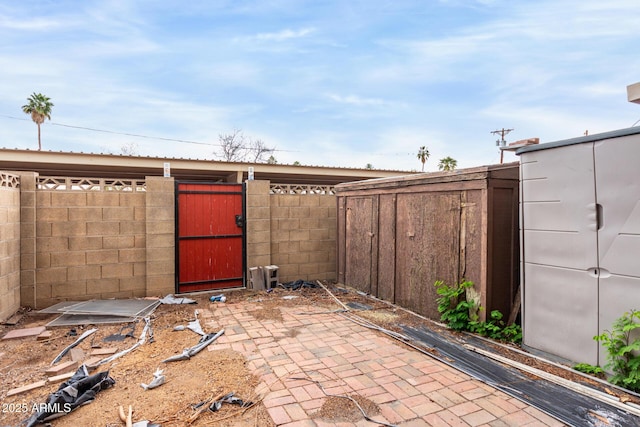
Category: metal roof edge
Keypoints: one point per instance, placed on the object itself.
(580, 140)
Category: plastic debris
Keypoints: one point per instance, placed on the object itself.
(158, 380)
(190, 352)
(79, 390)
(228, 398)
(171, 299)
(218, 298)
(294, 286)
(78, 341)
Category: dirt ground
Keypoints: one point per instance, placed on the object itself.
(208, 374)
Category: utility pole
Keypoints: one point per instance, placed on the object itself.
(501, 142)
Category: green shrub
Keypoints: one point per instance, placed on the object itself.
(586, 368)
(455, 312)
(623, 352)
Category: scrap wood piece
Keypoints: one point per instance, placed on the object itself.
(76, 354)
(78, 341)
(103, 351)
(14, 319)
(26, 388)
(127, 419)
(61, 368)
(61, 377)
(24, 332)
(333, 296)
(46, 335)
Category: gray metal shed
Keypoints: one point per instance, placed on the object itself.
(580, 234)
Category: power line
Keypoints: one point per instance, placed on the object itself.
(131, 134)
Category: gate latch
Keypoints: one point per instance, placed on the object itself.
(239, 221)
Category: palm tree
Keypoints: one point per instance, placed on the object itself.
(423, 155)
(39, 107)
(447, 164)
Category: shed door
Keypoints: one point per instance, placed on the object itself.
(359, 229)
(210, 236)
(560, 252)
(618, 197)
(428, 248)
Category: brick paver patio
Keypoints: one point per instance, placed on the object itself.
(344, 358)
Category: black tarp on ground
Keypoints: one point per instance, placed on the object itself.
(569, 407)
(79, 390)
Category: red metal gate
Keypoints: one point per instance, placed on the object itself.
(210, 234)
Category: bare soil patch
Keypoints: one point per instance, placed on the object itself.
(210, 373)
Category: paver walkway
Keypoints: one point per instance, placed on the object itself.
(411, 388)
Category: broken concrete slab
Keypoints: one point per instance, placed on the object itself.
(25, 332)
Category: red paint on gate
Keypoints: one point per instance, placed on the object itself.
(210, 236)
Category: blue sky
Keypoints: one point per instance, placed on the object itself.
(327, 82)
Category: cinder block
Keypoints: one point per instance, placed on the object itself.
(53, 214)
(118, 213)
(256, 278)
(140, 268)
(160, 213)
(132, 255)
(68, 258)
(320, 212)
(159, 227)
(77, 243)
(68, 198)
(301, 212)
(84, 272)
(98, 286)
(117, 270)
(102, 228)
(135, 283)
(52, 244)
(118, 242)
(103, 198)
(271, 276)
(68, 289)
(311, 200)
(299, 235)
(105, 256)
(132, 227)
(259, 212)
(134, 199)
(289, 224)
(259, 237)
(85, 213)
(51, 275)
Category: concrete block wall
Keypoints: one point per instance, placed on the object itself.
(9, 244)
(293, 229)
(160, 236)
(90, 244)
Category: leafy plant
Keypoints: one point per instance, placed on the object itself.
(586, 368)
(623, 351)
(453, 305)
(455, 311)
